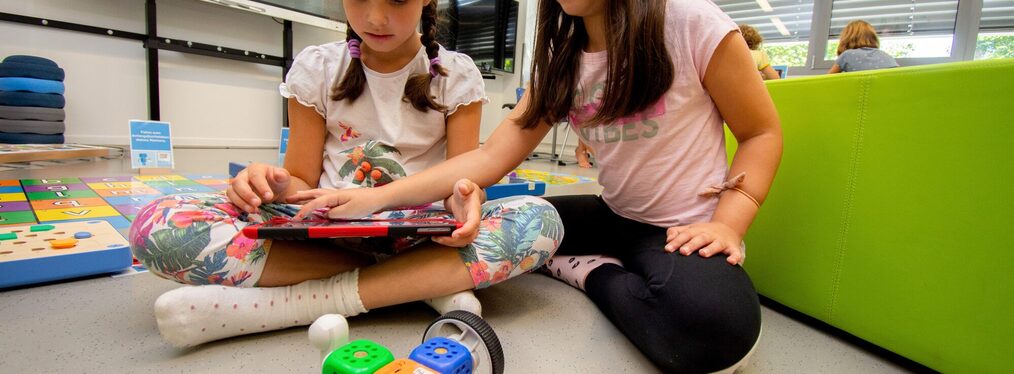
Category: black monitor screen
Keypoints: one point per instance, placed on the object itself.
(485, 30)
(330, 9)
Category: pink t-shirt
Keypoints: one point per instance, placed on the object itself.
(653, 164)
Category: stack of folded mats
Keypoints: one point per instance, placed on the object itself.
(31, 101)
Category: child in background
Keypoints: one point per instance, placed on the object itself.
(649, 85)
(385, 103)
(753, 41)
(857, 50)
(583, 154)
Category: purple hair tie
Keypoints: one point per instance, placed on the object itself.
(354, 48)
(433, 66)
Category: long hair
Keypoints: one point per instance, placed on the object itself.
(857, 34)
(639, 69)
(417, 89)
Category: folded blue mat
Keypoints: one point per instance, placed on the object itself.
(34, 60)
(30, 138)
(18, 69)
(31, 112)
(31, 85)
(18, 98)
(31, 127)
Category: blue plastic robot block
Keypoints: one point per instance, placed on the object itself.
(444, 356)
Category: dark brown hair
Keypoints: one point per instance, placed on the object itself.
(640, 70)
(417, 89)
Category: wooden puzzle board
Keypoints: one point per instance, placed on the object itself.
(113, 199)
(35, 152)
(30, 244)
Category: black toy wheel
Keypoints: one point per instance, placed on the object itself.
(473, 332)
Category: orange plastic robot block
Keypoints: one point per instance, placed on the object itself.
(63, 243)
(405, 366)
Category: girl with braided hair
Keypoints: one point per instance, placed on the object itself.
(385, 103)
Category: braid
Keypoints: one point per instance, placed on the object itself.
(417, 89)
(352, 85)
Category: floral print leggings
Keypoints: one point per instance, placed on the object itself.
(198, 239)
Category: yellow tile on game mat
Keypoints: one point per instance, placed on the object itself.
(14, 196)
(152, 178)
(68, 203)
(128, 192)
(116, 185)
(76, 213)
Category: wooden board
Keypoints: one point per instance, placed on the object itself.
(36, 152)
(47, 252)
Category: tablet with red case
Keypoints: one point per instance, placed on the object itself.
(284, 228)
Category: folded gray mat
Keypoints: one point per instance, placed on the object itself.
(31, 127)
(31, 112)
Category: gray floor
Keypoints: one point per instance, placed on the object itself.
(105, 324)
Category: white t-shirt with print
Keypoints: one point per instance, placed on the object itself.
(379, 137)
(653, 164)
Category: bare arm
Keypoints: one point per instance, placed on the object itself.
(835, 69)
(751, 116)
(463, 129)
(305, 160)
(769, 73)
(502, 152)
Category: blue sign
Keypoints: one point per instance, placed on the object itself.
(283, 146)
(151, 145)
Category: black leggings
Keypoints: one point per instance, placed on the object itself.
(685, 313)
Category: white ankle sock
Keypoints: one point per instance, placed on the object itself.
(573, 270)
(189, 316)
(464, 300)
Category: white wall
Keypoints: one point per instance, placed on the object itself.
(209, 101)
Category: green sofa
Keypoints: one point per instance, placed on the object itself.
(891, 215)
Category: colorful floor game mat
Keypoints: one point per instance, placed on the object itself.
(113, 199)
(555, 179)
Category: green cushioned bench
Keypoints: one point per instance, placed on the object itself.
(891, 215)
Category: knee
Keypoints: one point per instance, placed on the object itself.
(519, 235)
(537, 226)
(171, 234)
(719, 324)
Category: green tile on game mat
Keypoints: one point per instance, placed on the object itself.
(131, 217)
(16, 217)
(75, 194)
(40, 182)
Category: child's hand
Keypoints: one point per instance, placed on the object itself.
(583, 155)
(345, 204)
(256, 185)
(466, 204)
(707, 239)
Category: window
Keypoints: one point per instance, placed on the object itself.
(996, 30)
(784, 24)
(907, 28)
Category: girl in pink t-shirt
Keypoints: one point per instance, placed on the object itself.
(648, 84)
